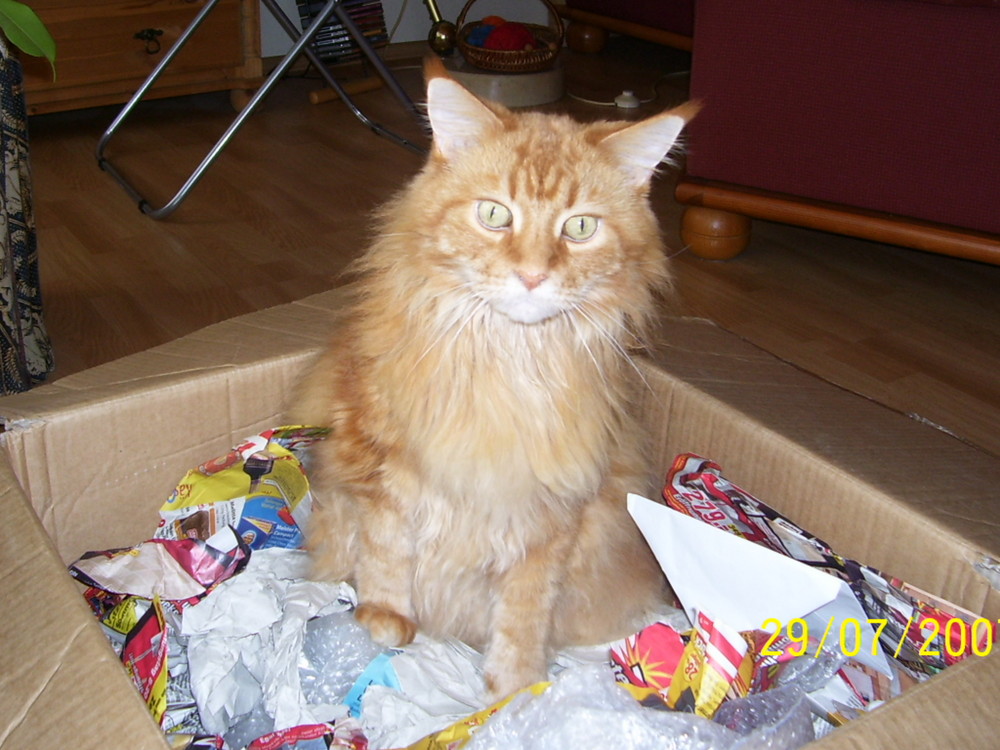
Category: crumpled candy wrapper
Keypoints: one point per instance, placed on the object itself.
(170, 570)
(259, 488)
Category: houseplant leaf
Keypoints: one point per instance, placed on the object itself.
(25, 30)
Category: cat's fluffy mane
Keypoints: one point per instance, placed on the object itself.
(480, 390)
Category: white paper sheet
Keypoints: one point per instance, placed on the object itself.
(745, 585)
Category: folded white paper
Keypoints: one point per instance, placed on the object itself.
(749, 587)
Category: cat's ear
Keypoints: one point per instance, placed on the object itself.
(641, 147)
(458, 118)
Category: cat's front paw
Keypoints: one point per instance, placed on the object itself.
(387, 627)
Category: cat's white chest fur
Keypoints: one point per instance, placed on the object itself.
(494, 423)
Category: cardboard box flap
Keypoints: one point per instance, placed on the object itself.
(123, 432)
(53, 647)
(247, 341)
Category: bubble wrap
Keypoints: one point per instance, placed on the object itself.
(584, 708)
(249, 727)
(778, 719)
(335, 652)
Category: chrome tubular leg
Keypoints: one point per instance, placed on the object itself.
(289, 27)
(369, 51)
(301, 42)
(154, 75)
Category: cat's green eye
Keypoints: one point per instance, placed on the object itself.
(580, 228)
(493, 215)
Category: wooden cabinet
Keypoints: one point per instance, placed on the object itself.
(106, 48)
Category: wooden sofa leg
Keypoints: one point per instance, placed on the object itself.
(714, 234)
(583, 37)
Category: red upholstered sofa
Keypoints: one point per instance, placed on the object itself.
(873, 118)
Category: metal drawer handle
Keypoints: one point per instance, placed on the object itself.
(152, 39)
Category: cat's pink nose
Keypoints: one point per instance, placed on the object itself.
(531, 280)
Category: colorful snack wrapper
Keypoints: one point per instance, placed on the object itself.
(649, 659)
(173, 570)
(259, 488)
(715, 663)
(345, 733)
(144, 655)
(923, 633)
(138, 593)
(458, 734)
(693, 671)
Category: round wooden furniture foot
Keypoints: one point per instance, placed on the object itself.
(714, 234)
(582, 37)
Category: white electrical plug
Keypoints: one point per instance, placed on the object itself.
(627, 100)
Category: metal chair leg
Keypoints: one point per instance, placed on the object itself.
(301, 40)
(289, 27)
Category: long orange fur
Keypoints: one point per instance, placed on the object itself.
(474, 484)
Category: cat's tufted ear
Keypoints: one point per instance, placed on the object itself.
(641, 147)
(458, 118)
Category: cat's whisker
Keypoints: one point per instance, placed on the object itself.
(615, 344)
(404, 234)
(456, 325)
(655, 260)
(450, 290)
(627, 331)
(590, 352)
(480, 304)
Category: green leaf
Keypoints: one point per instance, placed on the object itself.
(22, 26)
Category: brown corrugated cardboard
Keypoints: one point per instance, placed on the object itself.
(98, 452)
(876, 485)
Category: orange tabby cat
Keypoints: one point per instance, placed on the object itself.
(480, 390)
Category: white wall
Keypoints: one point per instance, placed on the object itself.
(274, 42)
(415, 21)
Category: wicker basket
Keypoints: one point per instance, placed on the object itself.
(512, 61)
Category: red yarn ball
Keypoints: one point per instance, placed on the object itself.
(511, 36)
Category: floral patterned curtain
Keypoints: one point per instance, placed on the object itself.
(25, 349)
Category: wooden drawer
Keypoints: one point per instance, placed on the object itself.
(102, 57)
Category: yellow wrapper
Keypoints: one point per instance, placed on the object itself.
(460, 732)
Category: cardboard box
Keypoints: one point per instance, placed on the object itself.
(91, 458)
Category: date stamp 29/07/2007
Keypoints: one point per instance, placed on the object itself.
(954, 638)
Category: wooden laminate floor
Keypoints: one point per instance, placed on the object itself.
(286, 206)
